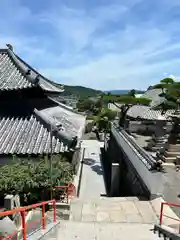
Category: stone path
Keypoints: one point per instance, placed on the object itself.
(113, 210)
(105, 231)
(111, 218)
(96, 217)
(92, 182)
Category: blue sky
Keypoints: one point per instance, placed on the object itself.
(103, 44)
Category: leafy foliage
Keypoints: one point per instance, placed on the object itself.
(127, 101)
(108, 113)
(171, 94)
(84, 105)
(104, 118)
(132, 93)
(109, 98)
(31, 179)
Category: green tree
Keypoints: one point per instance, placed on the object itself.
(110, 98)
(108, 113)
(132, 93)
(126, 102)
(170, 93)
(104, 118)
(85, 104)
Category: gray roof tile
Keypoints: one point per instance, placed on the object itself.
(13, 74)
(19, 135)
(72, 123)
(153, 94)
(10, 76)
(145, 112)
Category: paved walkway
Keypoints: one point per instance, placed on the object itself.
(106, 231)
(92, 182)
(113, 210)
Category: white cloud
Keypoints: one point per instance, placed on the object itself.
(104, 47)
(123, 63)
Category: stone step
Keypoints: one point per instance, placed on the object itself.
(60, 214)
(174, 145)
(124, 211)
(169, 159)
(113, 226)
(104, 199)
(102, 231)
(173, 148)
(160, 144)
(171, 154)
(160, 140)
(155, 149)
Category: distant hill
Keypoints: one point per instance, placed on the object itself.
(120, 92)
(79, 91)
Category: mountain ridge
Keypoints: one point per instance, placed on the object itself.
(123, 91)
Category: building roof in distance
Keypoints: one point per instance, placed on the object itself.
(145, 112)
(153, 95)
(16, 74)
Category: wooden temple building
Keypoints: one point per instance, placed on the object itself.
(32, 123)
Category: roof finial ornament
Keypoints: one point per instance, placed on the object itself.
(28, 72)
(10, 46)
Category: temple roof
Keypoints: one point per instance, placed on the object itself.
(153, 95)
(145, 112)
(27, 122)
(27, 130)
(16, 74)
(27, 136)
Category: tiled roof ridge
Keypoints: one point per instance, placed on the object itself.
(20, 67)
(37, 74)
(58, 133)
(65, 106)
(33, 76)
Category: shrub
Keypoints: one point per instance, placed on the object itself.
(31, 179)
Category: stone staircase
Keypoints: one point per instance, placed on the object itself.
(120, 210)
(112, 218)
(158, 143)
(107, 218)
(172, 152)
(62, 211)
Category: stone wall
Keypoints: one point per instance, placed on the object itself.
(129, 183)
(140, 126)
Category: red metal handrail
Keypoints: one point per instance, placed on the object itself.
(69, 190)
(22, 211)
(164, 215)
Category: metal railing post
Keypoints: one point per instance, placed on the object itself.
(43, 217)
(54, 210)
(67, 193)
(23, 224)
(161, 214)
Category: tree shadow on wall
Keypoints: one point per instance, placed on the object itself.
(95, 167)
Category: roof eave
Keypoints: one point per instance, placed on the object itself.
(34, 77)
